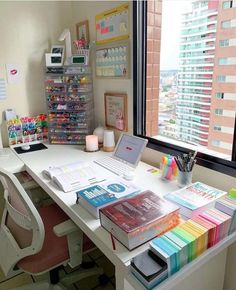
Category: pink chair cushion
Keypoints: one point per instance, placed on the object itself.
(55, 249)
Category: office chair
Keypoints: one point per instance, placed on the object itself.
(39, 240)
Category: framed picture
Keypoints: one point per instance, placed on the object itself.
(82, 30)
(116, 110)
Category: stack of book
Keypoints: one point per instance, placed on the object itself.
(211, 227)
(191, 238)
(181, 245)
(221, 220)
(227, 204)
(195, 198)
(138, 219)
(97, 196)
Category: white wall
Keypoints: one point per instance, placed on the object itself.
(28, 29)
(83, 10)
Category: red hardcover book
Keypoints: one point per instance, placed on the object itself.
(136, 220)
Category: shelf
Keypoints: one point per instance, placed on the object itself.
(187, 269)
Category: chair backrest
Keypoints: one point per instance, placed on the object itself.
(22, 230)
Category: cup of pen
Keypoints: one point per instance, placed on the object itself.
(185, 165)
(184, 178)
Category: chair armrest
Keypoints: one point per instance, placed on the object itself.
(74, 237)
(65, 228)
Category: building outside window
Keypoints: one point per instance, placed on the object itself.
(187, 76)
(224, 42)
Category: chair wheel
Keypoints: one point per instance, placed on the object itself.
(103, 279)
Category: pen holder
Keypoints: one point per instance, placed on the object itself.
(184, 178)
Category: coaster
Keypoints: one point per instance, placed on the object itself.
(91, 151)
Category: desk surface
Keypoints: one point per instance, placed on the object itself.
(9, 161)
(56, 155)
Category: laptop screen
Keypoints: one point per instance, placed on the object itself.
(129, 149)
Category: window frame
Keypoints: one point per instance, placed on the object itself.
(139, 100)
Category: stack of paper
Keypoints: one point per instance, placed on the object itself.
(220, 219)
(199, 233)
(211, 227)
(189, 239)
(168, 251)
(227, 204)
(183, 246)
(149, 269)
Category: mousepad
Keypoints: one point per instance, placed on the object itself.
(33, 147)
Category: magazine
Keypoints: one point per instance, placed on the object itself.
(195, 197)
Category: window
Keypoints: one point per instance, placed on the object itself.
(216, 142)
(219, 112)
(226, 24)
(221, 79)
(219, 95)
(227, 4)
(176, 103)
(224, 42)
(222, 61)
(217, 128)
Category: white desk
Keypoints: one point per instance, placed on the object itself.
(11, 162)
(56, 155)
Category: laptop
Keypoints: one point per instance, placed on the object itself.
(126, 155)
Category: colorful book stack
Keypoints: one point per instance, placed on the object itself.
(220, 219)
(181, 245)
(190, 239)
(227, 205)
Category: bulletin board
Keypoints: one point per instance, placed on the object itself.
(112, 25)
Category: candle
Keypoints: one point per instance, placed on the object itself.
(91, 143)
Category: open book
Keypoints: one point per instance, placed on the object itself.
(73, 176)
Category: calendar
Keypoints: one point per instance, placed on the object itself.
(112, 25)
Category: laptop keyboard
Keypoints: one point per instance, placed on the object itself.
(113, 165)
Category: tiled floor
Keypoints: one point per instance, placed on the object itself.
(91, 283)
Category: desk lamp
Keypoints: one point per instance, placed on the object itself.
(66, 36)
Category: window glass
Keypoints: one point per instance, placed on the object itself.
(225, 24)
(219, 95)
(226, 4)
(183, 104)
(224, 42)
(221, 79)
(222, 61)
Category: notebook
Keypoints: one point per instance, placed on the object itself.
(126, 155)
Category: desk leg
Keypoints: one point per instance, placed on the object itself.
(120, 277)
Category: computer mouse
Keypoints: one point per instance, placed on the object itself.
(25, 147)
(128, 175)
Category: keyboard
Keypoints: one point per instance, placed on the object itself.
(113, 165)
